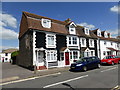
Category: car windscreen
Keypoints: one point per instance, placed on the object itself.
(81, 60)
(108, 57)
(117, 56)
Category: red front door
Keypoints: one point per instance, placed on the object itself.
(67, 58)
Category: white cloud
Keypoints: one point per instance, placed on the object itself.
(8, 34)
(114, 33)
(114, 9)
(90, 26)
(8, 20)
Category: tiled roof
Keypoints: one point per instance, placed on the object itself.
(80, 32)
(9, 50)
(32, 21)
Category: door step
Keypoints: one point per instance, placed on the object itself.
(41, 67)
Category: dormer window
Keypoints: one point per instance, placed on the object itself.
(46, 23)
(87, 31)
(105, 34)
(99, 33)
(72, 28)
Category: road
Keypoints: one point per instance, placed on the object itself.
(105, 77)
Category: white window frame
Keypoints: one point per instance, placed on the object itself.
(111, 43)
(87, 32)
(105, 42)
(72, 55)
(52, 53)
(62, 56)
(105, 35)
(99, 33)
(93, 52)
(71, 40)
(82, 42)
(47, 42)
(91, 41)
(72, 29)
(46, 23)
(104, 53)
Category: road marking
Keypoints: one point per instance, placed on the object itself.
(28, 79)
(8, 79)
(65, 81)
(109, 69)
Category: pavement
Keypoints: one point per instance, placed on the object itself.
(14, 72)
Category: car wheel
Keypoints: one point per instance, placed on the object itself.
(119, 61)
(85, 68)
(113, 63)
(99, 66)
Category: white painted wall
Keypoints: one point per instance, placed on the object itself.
(2, 55)
(104, 47)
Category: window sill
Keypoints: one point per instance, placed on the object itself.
(52, 61)
(50, 46)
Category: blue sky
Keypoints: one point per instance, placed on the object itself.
(101, 15)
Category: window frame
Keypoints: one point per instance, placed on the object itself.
(72, 41)
(54, 41)
(81, 41)
(91, 42)
(6, 54)
(87, 31)
(52, 55)
(62, 56)
(105, 43)
(46, 23)
(72, 29)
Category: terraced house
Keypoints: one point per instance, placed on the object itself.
(107, 45)
(47, 43)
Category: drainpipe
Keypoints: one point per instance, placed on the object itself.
(99, 47)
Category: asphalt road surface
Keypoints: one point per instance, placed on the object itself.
(105, 77)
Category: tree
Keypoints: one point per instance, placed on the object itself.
(13, 56)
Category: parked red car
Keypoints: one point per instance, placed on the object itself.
(111, 59)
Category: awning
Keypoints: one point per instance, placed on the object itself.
(112, 49)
